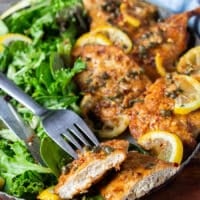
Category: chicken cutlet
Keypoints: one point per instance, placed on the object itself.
(138, 175)
(167, 39)
(127, 15)
(111, 74)
(91, 165)
(111, 83)
(156, 113)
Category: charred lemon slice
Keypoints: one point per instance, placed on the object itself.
(188, 98)
(92, 38)
(127, 17)
(48, 194)
(164, 145)
(189, 63)
(10, 37)
(159, 65)
(118, 37)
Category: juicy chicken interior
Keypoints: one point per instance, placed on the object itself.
(168, 38)
(138, 175)
(111, 83)
(91, 166)
(156, 113)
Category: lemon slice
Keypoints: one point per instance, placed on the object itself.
(9, 37)
(48, 194)
(90, 38)
(127, 17)
(188, 99)
(159, 65)
(189, 63)
(166, 146)
(118, 37)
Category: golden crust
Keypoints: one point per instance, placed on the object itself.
(156, 113)
(137, 176)
(108, 12)
(168, 38)
(111, 83)
(110, 73)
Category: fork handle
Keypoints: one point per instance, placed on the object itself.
(14, 91)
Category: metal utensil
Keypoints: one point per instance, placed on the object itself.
(13, 121)
(65, 127)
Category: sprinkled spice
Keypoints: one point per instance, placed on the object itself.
(106, 149)
(142, 51)
(149, 165)
(134, 73)
(166, 113)
(105, 76)
(111, 7)
(131, 102)
(173, 93)
(189, 69)
(66, 169)
(96, 149)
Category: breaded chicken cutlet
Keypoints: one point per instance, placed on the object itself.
(167, 40)
(91, 166)
(139, 174)
(156, 113)
(128, 15)
(110, 84)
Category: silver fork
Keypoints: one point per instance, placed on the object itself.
(64, 127)
(13, 121)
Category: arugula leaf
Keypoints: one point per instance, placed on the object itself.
(44, 70)
(53, 155)
(23, 177)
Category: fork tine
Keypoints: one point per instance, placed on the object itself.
(80, 136)
(65, 146)
(71, 138)
(85, 129)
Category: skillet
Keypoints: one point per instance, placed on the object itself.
(194, 41)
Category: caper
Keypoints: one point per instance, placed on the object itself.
(107, 149)
(96, 149)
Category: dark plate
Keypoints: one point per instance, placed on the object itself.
(195, 40)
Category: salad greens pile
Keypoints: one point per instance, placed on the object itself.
(44, 69)
(23, 177)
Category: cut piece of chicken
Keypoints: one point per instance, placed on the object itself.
(128, 15)
(91, 166)
(156, 113)
(139, 174)
(168, 38)
(112, 82)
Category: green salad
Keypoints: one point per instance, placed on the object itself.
(42, 66)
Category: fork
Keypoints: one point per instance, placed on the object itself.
(13, 121)
(64, 127)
